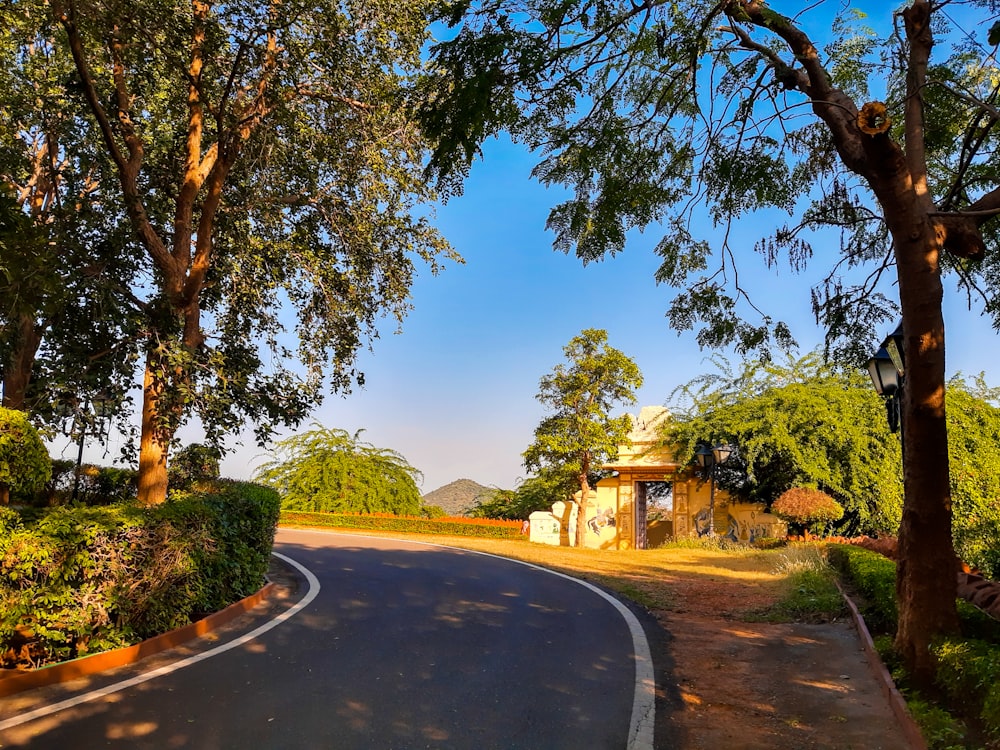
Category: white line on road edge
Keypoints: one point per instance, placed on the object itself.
(139, 679)
(640, 735)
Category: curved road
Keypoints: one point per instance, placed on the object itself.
(394, 645)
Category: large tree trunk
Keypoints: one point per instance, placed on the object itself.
(154, 440)
(17, 374)
(925, 577)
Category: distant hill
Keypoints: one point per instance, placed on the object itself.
(458, 497)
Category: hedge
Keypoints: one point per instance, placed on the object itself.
(480, 527)
(80, 580)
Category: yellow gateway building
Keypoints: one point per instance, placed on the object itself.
(651, 499)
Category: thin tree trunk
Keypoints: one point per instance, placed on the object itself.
(581, 514)
(154, 441)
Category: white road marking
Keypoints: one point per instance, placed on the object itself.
(165, 670)
(640, 735)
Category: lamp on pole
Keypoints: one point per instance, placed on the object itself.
(709, 459)
(887, 370)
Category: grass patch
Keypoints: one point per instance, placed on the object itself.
(810, 592)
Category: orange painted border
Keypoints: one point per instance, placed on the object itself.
(88, 665)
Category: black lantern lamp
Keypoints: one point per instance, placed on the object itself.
(883, 373)
(886, 368)
(709, 458)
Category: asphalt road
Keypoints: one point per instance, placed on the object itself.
(394, 645)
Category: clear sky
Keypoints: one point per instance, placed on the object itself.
(454, 392)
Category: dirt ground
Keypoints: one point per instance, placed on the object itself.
(748, 685)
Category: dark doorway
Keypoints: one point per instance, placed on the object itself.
(653, 513)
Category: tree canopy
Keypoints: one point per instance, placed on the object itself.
(265, 161)
(580, 432)
(804, 422)
(330, 471)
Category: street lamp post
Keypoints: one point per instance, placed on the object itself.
(887, 370)
(709, 459)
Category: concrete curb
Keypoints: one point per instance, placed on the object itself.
(896, 701)
(88, 665)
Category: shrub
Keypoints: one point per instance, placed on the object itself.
(874, 577)
(83, 579)
(25, 465)
(969, 673)
(193, 463)
(804, 506)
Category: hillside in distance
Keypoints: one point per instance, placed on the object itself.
(457, 497)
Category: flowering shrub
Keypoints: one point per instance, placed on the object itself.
(455, 526)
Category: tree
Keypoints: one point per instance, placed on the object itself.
(266, 161)
(68, 324)
(650, 110)
(24, 463)
(801, 422)
(580, 434)
(803, 506)
(329, 471)
(194, 463)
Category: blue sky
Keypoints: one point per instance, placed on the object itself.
(454, 391)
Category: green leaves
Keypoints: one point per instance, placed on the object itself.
(580, 434)
(24, 461)
(799, 423)
(329, 470)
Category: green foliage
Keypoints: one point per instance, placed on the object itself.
(328, 470)
(652, 117)
(24, 462)
(81, 580)
(874, 577)
(974, 460)
(412, 525)
(97, 485)
(539, 492)
(969, 674)
(432, 511)
(806, 506)
(193, 463)
(798, 423)
(940, 730)
(580, 434)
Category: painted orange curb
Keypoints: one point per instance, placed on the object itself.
(896, 701)
(88, 665)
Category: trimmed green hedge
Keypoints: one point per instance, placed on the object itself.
(80, 580)
(874, 576)
(409, 524)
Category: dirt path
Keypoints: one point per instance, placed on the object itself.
(750, 685)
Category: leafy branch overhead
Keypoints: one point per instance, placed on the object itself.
(650, 112)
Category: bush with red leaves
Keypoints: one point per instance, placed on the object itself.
(802, 506)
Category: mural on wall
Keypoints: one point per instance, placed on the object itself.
(603, 519)
(748, 525)
(701, 521)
